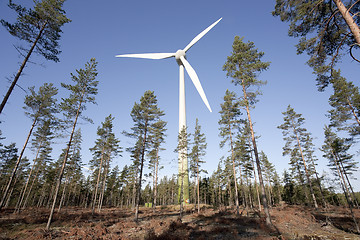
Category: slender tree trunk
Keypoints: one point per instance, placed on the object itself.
(63, 193)
(234, 172)
(156, 178)
(250, 193)
(219, 195)
(269, 191)
(97, 181)
(17, 164)
(63, 165)
(198, 186)
(354, 28)
(11, 191)
(27, 181)
(263, 195)
(231, 203)
(133, 200)
(302, 183)
(138, 195)
(18, 201)
(256, 185)
(21, 68)
(353, 111)
(50, 196)
(306, 170)
(341, 176)
(106, 167)
(242, 188)
(319, 182)
(348, 181)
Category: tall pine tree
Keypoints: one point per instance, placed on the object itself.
(41, 28)
(144, 115)
(81, 93)
(243, 66)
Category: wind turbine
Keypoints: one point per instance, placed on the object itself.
(180, 56)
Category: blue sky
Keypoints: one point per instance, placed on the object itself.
(105, 29)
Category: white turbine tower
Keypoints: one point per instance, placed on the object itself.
(180, 56)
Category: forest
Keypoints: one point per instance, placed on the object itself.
(43, 196)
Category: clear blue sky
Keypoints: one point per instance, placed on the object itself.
(105, 29)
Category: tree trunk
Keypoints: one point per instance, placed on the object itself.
(17, 164)
(231, 203)
(234, 172)
(319, 182)
(306, 170)
(12, 189)
(97, 181)
(341, 176)
(263, 196)
(353, 111)
(27, 181)
(63, 166)
(198, 186)
(156, 178)
(138, 195)
(21, 68)
(106, 167)
(63, 193)
(354, 28)
(256, 185)
(348, 181)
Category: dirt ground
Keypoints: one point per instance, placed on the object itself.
(290, 222)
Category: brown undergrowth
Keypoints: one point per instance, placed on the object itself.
(290, 222)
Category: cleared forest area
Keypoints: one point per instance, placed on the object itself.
(291, 222)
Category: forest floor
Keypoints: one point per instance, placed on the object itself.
(291, 222)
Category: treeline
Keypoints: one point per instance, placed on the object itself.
(245, 178)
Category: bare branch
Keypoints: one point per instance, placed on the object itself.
(348, 10)
(351, 54)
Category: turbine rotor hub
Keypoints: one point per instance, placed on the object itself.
(180, 53)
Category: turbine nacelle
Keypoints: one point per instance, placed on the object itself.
(180, 57)
(180, 53)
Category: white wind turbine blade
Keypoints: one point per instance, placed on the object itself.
(196, 81)
(148, 55)
(200, 35)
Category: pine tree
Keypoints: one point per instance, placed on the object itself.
(113, 185)
(106, 147)
(39, 106)
(82, 92)
(72, 171)
(335, 149)
(158, 138)
(243, 66)
(295, 137)
(41, 28)
(8, 156)
(229, 122)
(198, 151)
(311, 159)
(346, 105)
(325, 35)
(144, 115)
(41, 145)
(245, 166)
